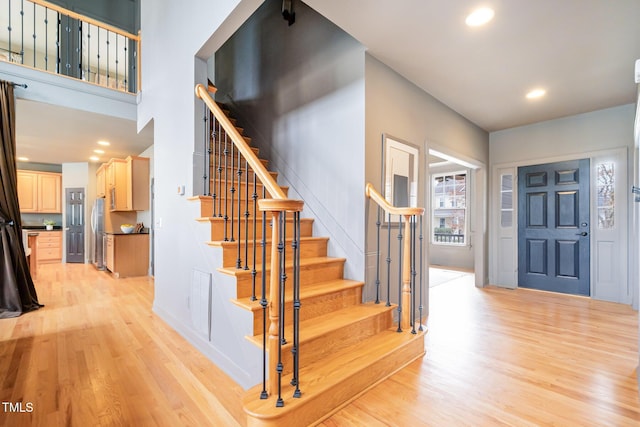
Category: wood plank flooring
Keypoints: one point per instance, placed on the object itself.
(498, 357)
(96, 355)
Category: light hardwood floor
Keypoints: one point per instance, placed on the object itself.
(96, 355)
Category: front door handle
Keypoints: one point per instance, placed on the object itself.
(583, 234)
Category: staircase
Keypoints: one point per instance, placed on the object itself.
(345, 346)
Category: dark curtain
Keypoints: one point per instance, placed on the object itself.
(17, 292)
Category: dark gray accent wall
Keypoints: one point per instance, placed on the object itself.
(299, 93)
(124, 14)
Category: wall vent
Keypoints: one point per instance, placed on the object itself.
(200, 302)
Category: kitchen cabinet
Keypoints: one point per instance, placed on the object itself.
(40, 192)
(127, 255)
(49, 244)
(128, 184)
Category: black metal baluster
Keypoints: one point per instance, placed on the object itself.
(67, 66)
(58, 53)
(281, 290)
(246, 215)
(226, 185)
(255, 220)
(206, 190)
(88, 52)
(10, 29)
(232, 191)
(21, 32)
(295, 349)
(400, 273)
(282, 248)
(126, 65)
(218, 155)
(34, 35)
(239, 247)
(377, 256)
(264, 303)
(421, 270)
(98, 56)
(46, 39)
(79, 50)
(117, 61)
(413, 274)
(108, 42)
(388, 260)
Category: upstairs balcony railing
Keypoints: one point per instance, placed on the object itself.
(47, 37)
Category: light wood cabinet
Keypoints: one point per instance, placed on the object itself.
(101, 181)
(28, 191)
(127, 254)
(40, 192)
(128, 184)
(49, 245)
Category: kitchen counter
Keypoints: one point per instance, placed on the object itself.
(41, 227)
(120, 233)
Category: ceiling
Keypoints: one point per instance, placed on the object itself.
(581, 51)
(65, 135)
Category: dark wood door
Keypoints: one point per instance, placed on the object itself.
(75, 223)
(553, 227)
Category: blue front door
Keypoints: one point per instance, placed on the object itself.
(553, 227)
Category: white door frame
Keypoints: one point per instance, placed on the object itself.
(500, 250)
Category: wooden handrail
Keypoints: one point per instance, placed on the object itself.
(373, 194)
(85, 18)
(258, 168)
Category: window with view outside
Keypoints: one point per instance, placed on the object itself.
(606, 195)
(449, 208)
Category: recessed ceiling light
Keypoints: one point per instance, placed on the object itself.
(104, 143)
(23, 159)
(536, 93)
(99, 151)
(479, 17)
(94, 158)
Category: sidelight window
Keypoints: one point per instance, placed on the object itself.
(605, 182)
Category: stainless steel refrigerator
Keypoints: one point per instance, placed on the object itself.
(97, 229)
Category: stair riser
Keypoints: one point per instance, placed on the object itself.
(308, 249)
(218, 229)
(308, 275)
(313, 307)
(312, 351)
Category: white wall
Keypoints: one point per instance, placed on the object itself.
(174, 32)
(396, 107)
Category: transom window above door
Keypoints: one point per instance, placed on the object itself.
(449, 208)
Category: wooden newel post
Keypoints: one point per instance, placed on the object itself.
(406, 274)
(274, 306)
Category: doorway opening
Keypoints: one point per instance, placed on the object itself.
(456, 207)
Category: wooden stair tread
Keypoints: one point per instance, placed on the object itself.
(360, 366)
(258, 218)
(319, 326)
(304, 262)
(308, 291)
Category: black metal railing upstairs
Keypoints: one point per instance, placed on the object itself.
(407, 266)
(239, 186)
(47, 37)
